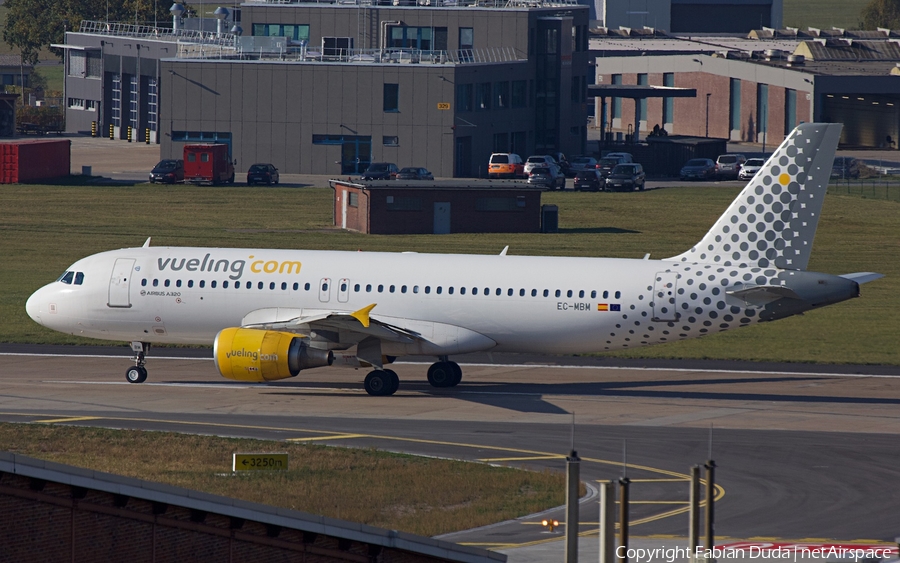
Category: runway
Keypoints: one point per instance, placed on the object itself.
(808, 454)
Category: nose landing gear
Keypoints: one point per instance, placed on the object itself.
(138, 373)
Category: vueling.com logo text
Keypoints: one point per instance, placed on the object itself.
(234, 268)
(252, 354)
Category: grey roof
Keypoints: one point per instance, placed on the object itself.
(449, 184)
(13, 60)
(849, 50)
(291, 519)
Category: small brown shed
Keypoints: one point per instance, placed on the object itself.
(441, 206)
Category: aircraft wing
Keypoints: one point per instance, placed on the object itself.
(324, 321)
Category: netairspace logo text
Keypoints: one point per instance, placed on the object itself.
(794, 554)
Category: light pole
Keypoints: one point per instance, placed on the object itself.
(708, 94)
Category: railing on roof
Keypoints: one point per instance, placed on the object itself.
(155, 33)
(245, 51)
(436, 3)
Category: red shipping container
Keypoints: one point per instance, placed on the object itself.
(34, 160)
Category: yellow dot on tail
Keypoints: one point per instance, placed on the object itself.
(784, 179)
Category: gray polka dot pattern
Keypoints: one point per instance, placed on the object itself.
(774, 219)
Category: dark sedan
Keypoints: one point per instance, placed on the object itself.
(262, 174)
(605, 166)
(410, 173)
(168, 171)
(589, 180)
(698, 169)
(381, 171)
(626, 178)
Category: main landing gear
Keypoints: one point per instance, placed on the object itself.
(138, 373)
(384, 382)
(444, 373)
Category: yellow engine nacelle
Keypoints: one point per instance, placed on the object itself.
(248, 354)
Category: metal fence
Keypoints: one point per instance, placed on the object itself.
(886, 188)
(359, 56)
(437, 3)
(156, 33)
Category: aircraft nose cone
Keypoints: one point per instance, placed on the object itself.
(33, 308)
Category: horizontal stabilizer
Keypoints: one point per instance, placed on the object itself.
(764, 294)
(863, 277)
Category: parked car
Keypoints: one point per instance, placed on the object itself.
(547, 176)
(626, 178)
(539, 160)
(506, 165)
(381, 171)
(168, 171)
(698, 169)
(845, 167)
(750, 168)
(262, 174)
(411, 173)
(589, 180)
(624, 157)
(580, 163)
(605, 166)
(728, 166)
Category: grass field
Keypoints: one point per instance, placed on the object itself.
(414, 494)
(823, 14)
(44, 229)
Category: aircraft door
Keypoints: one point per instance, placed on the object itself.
(344, 290)
(325, 290)
(120, 283)
(665, 297)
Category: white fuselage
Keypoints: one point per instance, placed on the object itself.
(523, 303)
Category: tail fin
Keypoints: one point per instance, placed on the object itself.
(773, 221)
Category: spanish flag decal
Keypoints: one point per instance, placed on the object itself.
(603, 306)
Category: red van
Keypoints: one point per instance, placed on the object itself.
(208, 164)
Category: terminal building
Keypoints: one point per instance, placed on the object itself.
(328, 88)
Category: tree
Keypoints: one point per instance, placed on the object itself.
(881, 13)
(32, 25)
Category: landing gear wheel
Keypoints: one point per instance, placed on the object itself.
(379, 383)
(395, 381)
(442, 374)
(457, 374)
(136, 374)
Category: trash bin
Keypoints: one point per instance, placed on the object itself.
(85, 170)
(549, 218)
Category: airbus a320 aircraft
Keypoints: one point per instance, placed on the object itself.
(272, 313)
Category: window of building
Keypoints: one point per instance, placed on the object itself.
(77, 63)
(668, 103)
(549, 42)
(790, 110)
(337, 46)
(391, 97)
(762, 107)
(76, 103)
(518, 142)
(353, 199)
(483, 96)
(501, 95)
(116, 100)
(390, 141)
(152, 104)
(292, 32)
(734, 110)
(501, 142)
(94, 65)
(328, 139)
(464, 97)
(519, 95)
(420, 38)
(616, 103)
(466, 38)
(402, 203)
(643, 80)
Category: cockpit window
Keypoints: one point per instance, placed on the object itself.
(79, 278)
(67, 277)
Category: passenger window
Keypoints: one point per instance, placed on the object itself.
(415, 289)
(509, 292)
(380, 288)
(356, 288)
(474, 291)
(368, 288)
(212, 284)
(438, 290)
(546, 293)
(569, 293)
(296, 286)
(155, 282)
(202, 283)
(462, 291)
(391, 289)
(271, 285)
(177, 283)
(344, 286)
(225, 285)
(190, 283)
(144, 282)
(606, 295)
(260, 285)
(427, 289)
(558, 293)
(581, 293)
(499, 291)
(284, 286)
(487, 291)
(521, 293)
(325, 286)
(402, 289)
(166, 283)
(450, 290)
(593, 294)
(79, 278)
(618, 294)
(534, 293)
(306, 286)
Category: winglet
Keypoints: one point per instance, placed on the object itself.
(363, 315)
(504, 251)
(147, 242)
